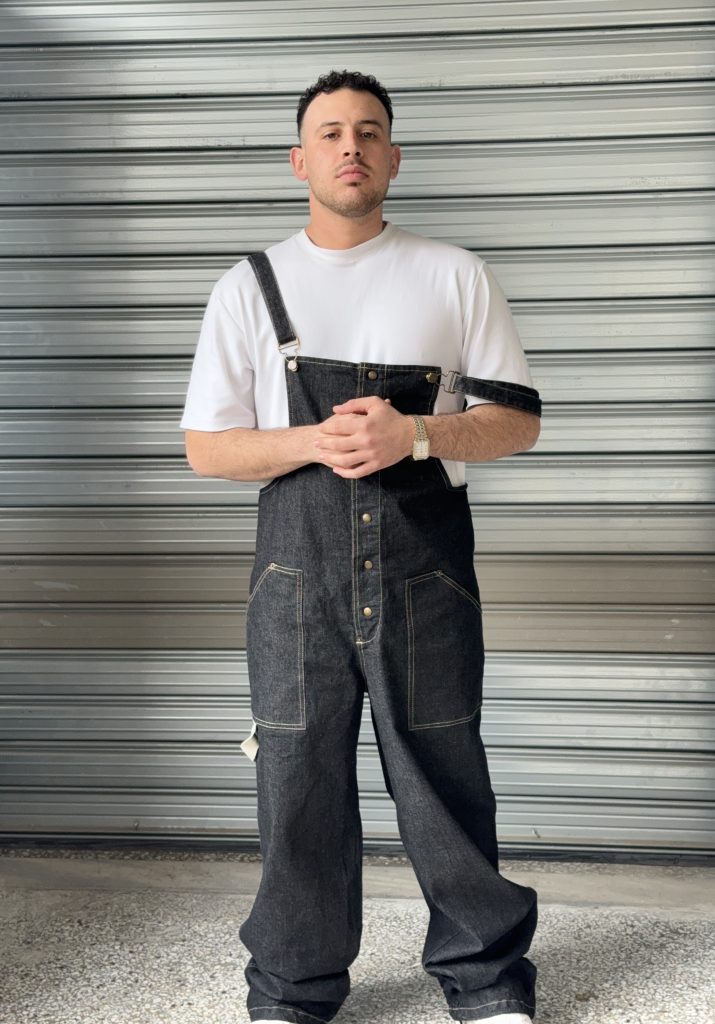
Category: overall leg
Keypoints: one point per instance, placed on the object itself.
(481, 924)
(304, 928)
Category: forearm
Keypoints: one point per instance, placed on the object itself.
(245, 453)
(482, 433)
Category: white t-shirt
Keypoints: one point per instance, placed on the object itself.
(397, 298)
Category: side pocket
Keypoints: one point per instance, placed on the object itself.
(275, 648)
(445, 651)
(447, 479)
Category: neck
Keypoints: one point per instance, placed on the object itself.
(331, 231)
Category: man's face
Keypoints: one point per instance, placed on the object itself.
(346, 155)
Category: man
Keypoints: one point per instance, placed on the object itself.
(330, 382)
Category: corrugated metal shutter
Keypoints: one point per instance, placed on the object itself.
(143, 152)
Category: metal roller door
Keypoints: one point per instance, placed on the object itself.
(143, 152)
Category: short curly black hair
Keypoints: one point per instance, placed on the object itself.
(335, 80)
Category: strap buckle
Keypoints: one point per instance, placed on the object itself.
(288, 344)
(451, 381)
(291, 360)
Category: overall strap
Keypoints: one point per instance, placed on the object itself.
(505, 392)
(274, 300)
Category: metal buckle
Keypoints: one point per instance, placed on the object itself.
(287, 344)
(291, 360)
(451, 378)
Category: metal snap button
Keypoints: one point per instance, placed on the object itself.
(367, 612)
(366, 517)
(368, 563)
(432, 377)
(372, 374)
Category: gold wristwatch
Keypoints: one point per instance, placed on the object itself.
(420, 445)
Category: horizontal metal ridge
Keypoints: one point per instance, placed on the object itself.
(674, 218)
(565, 725)
(565, 429)
(521, 479)
(534, 675)
(190, 766)
(541, 821)
(576, 167)
(38, 21)
(59, 581)
(572, 385)
(554, 528)
(540, 273)
(406, 62)
(544, 326)
(454, 115)
(613, 628)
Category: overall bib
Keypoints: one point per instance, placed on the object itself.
(368, 585)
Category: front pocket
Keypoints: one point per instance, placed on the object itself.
(445, 651)
(275, 648)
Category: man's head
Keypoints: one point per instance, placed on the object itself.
(345, 153)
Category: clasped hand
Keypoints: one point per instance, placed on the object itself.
(363, 435)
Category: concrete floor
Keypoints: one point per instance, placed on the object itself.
(150, 937)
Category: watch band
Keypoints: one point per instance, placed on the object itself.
(420, 445)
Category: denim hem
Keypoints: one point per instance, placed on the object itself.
(283, 1013)
(492, 1009)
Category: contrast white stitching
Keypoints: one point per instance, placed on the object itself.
(453, 583)
(507, 999)
(383, 366)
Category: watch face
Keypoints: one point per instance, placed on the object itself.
(420, 450)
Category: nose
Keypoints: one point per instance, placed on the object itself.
(351, 144)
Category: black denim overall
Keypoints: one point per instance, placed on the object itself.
(369, 585)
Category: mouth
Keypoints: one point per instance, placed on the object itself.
(352, 174)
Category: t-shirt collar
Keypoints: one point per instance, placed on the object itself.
(351, 255)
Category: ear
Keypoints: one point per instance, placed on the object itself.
(297, 162)
(395, 162)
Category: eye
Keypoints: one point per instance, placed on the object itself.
(369, 135)
(330, 135)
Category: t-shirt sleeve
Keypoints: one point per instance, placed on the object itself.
(492, 349)
(220, 392)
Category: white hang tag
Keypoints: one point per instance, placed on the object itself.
(250, 744)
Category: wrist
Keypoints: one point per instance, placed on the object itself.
(410, 433)
(309, 434)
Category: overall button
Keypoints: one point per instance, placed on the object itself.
(366, 517)
(372, 374)
(368, 564)
(367, 612)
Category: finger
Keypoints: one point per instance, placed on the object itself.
(359, 405)
(336, 425)
(344, 460)
(336, 443)
(351, 474)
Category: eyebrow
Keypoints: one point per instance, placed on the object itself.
(329, 124)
